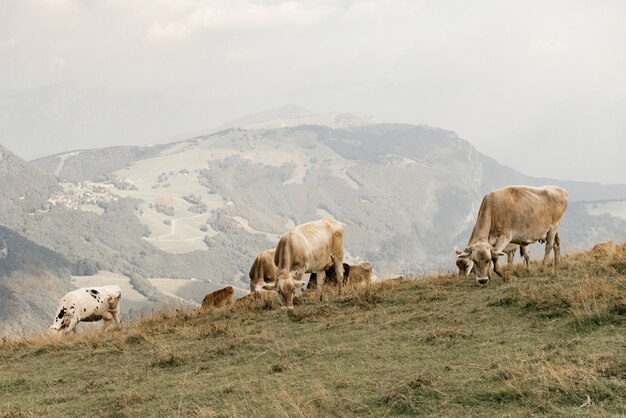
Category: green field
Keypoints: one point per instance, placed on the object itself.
(535, 344)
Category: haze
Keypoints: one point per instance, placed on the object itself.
(539, 86)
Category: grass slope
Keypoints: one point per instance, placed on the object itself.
(534, 344)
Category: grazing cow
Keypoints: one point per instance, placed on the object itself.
(309, 247)
(220, 298)
(466, 265)
(519, 215)
(263, 269)
(360, 274)
(88, 305)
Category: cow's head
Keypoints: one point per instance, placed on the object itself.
(62, 319)
(479, 257)
(285, 287)
(465, 264)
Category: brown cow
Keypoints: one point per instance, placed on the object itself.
(309, 247)
(263, 269)
(360, 274)
(519, 215)
(219, 299)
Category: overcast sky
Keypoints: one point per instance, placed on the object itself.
(538, 85)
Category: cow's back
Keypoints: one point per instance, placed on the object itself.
(219, 298)
(524, 212)
(263, 266)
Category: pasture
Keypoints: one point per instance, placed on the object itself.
(534, 344)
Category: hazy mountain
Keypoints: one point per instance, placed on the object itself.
(32, 280)
(204, 207)
(407, 193)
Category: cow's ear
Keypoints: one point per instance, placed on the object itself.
(298, 283)
(270, 286)
(495, 253)
(463, 254)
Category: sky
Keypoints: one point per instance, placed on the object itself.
(538, 85)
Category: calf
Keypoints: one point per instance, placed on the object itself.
(219, 299)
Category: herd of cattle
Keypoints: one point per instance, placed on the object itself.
(508, 219)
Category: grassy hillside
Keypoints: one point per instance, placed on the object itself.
(533, 344)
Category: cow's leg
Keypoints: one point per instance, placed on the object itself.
(526, 254)
(117, 317)
(338, 263)
(107, 318)
(321, 276)
(253, 285)
(557, 249)
(549, 246)
(501, 242)
(72, 324)
(509, 258)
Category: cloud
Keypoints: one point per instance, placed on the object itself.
(239, 17)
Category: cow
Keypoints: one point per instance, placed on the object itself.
(219, 299)
(519, 215)
(352, 275)
(466, 266)
(310, 247)
(88, 305)
(360, 274)
(263, 269)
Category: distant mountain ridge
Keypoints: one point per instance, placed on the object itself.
(203, 207)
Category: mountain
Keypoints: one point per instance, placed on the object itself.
(203, 208)
(32, 280)
(408, 194)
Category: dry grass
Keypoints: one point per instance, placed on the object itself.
(534, 344)
(548, 380)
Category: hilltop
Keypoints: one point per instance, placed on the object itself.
(534, 344)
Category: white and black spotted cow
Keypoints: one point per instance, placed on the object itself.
(88, 305)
